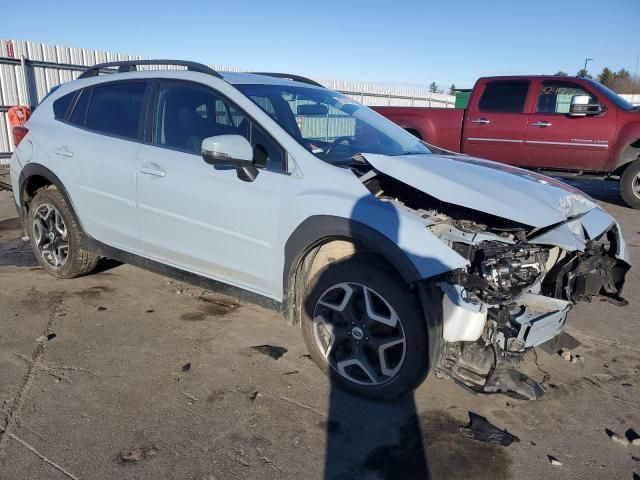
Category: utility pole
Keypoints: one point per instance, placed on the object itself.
(586, 60)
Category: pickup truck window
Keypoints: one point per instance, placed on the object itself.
(504, 97)
(555, 97)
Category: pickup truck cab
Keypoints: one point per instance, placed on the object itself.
(566, 126)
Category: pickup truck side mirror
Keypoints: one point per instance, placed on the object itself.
(580, 106)
(230, 151)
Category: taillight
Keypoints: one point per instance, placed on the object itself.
(18, 134)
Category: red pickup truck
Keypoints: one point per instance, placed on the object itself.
(564, 126)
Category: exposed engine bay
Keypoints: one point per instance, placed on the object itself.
(514, 294)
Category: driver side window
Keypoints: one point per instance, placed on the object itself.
(186, 114)
(555, 97)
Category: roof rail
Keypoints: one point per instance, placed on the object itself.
(131, 66)
(296, 78)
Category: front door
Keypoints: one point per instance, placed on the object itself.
(205, 219)
(556, 140)
(495, 126)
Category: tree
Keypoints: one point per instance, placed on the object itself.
(452, 89)
(560, 73)
(583, 73)
(606, 76)
(433, 87)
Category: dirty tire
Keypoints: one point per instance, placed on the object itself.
(367, 271)
(630, 185)
(78, 261)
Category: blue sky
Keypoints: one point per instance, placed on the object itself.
(405, 43)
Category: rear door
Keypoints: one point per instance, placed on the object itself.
(94, 150)
(557, 141)
(495, 124)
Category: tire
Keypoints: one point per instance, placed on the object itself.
(50, 215)
(630, 185)
(358, 335)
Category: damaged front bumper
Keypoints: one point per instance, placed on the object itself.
(485, 340)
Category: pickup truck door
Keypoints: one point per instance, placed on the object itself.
(496, 122)
(557, 141)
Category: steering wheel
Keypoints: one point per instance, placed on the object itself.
(337, 141)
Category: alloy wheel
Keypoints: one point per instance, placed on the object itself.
(359, 334)
(50, 235)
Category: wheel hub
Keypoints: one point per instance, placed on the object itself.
(359, 334)
(50, 235)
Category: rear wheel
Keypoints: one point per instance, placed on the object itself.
(630, 185)
(364, 328)
(55, 236)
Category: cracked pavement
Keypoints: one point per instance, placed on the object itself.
(111, 396)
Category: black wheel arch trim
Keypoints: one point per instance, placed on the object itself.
(35, 169)
(318, 229)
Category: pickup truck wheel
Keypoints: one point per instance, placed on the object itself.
(55, 236)
(630, 185)
(364, 328)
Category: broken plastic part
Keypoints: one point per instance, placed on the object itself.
(514, 384)
(481, 430)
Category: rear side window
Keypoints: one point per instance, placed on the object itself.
(79, 113)
(504, 97)
(61, 106)
(116, 108)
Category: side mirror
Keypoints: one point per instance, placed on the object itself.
(230, 151)
(580, 106)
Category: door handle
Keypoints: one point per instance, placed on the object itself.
(541, 124)
(63, 151)
(481, 121)
(152, 169)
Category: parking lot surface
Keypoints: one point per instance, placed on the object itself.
(129, 374)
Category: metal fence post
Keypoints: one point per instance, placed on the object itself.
(27, 80)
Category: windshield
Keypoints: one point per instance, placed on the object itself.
(330, 125)
(613, 96)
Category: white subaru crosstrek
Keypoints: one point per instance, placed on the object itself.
(395, 257)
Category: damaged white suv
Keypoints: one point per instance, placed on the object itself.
(395, 257)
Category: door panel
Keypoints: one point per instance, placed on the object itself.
(202, 218)
(557, 141)
(495, 125)
(207, 220)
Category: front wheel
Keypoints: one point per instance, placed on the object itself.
(630, 185)
(364, 328)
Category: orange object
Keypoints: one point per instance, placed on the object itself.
(18, 116)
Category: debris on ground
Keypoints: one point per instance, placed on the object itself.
(190, 397)
(481, 429)
(292, 372)
(273, 352)
(186, 367)
(554, 461)
(617, 438)
(101, 308)
(633, 437)
(569, 356)
(253, 395)
(48, 337)
(137, 454)
(513, 383)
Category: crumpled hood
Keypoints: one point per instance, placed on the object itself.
(495, 188)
